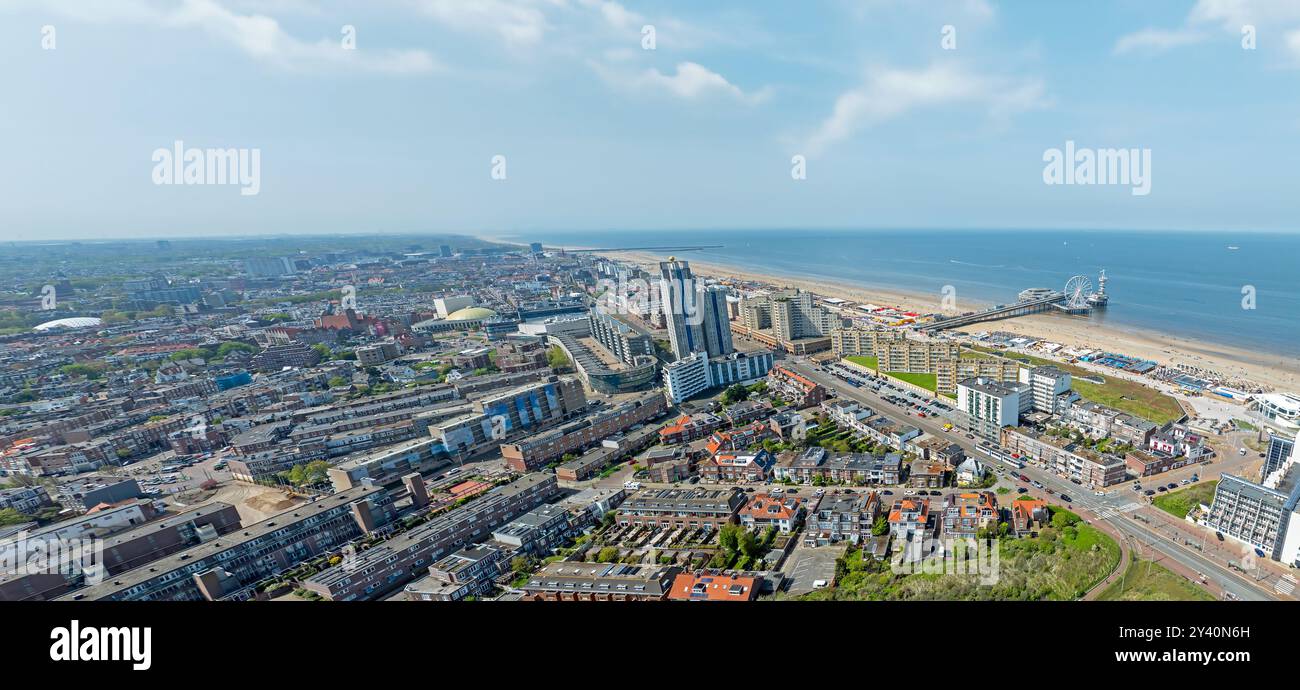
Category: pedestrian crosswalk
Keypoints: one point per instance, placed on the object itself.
(1110, 513)
(1285, 585)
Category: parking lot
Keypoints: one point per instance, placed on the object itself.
(809, 564)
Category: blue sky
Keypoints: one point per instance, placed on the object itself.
(398, 135)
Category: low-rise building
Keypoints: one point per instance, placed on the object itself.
(798, 390)
(684, 507)
(711, 586)
(566, 581)
(1028, 516)
(843, 517)
(965, 514)
(469, 572)
(1064, 457)
(764, 511)
(737, 467)
(910, 519)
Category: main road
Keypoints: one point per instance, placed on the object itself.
(1115, 509)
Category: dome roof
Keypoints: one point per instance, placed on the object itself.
(74, 322)
(471, 313)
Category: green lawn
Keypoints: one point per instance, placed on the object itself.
(926, 381)
(863, 360)
(1150, 581)
(1181, 501)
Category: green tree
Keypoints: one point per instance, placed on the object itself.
(728, 538)
(233, 346)
(881, 526)
(747, 545)
(735, 393)
(521, 564)
(9, 516)
(609, 554)
(556, 358)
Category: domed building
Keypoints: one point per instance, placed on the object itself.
(72, 323)
(472, 314)
(465, 318)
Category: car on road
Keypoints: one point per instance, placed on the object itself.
(1076, 481)
(970, 436)
(1037, 484)
(936, 493)
(1023, 478)
(819, 492)
(1099, 493)
(1049, 491)
(818, 584)
(1066, 498)
(1219, 535)
(909, 492)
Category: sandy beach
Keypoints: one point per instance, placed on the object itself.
(1271, 371)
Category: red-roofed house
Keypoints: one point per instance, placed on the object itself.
(708, 586)
(800, 391)
(1029, 516)
(908, 517)
(763, 511)
(964, 514)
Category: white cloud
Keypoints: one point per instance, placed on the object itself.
(1157, 40)
(615, 14)
(1229, 16)
(889, 93)
(516, 22)
(691, 81)
(259, 36)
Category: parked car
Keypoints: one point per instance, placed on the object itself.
(1148, 492)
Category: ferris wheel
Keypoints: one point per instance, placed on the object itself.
(1077, 290)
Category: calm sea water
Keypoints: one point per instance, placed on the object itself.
(1181, 284)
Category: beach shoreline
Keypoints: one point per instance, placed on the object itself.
(1270, 371)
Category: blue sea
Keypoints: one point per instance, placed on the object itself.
(1185, 284)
